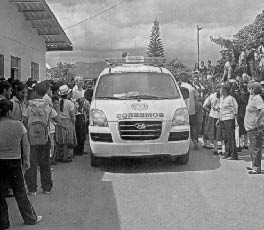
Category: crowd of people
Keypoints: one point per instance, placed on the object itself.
(44, 123)
(226, 105)
(41, 124)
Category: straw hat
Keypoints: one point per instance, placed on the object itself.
(64, 90)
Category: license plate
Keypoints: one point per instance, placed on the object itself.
(140, 149)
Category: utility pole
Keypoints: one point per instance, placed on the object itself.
(198, 45)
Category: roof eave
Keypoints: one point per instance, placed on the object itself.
(56, 40)
(68, 48)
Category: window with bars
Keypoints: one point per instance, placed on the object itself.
(2, 66)
(35, 71)
(15, 68)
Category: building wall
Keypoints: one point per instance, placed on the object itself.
(19, 39)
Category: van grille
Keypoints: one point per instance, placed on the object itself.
(140, 130)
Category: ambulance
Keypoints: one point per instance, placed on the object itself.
(138, 110)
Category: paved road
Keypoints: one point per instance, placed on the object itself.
(207, 194)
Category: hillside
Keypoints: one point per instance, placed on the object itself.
(88, 70)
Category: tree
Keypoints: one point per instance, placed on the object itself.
(155, 47)
(176, 67)
(249, 35)
(61, 72)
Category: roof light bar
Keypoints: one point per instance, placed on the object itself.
(136, 60)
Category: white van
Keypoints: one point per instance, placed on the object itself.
(137, 110)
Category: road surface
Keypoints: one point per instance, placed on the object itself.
(209, 193)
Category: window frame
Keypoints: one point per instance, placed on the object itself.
(2, 65)
(35, 70)
(17, 67)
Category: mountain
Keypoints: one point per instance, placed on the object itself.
(88, 70)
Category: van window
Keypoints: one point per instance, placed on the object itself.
(137, 85)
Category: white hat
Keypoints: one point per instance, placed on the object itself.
(209, 77)
(262, 82)
(231, 80)
(64, 90)
(244, 75)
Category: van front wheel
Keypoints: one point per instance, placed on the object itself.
(95, 161)
(183, 159)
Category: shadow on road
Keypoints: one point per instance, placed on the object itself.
(201, 160)
(79, 200)
(245, 155)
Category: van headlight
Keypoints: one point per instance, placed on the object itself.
(98, 118)
(181, 117)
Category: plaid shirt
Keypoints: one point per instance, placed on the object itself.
(228, 108)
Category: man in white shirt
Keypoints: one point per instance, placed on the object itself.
(78, 91)
(211, 105)
(78, 94)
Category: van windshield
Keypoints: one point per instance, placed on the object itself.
(136, 86)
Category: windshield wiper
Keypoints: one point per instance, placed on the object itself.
(144, 96)
(108, 97)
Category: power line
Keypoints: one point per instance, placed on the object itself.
(96, 15)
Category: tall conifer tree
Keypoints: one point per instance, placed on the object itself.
(155, 47)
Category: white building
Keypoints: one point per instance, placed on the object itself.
(28, 29)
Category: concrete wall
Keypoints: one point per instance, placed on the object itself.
(19, 39)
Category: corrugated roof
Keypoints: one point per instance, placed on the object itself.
(44, 21)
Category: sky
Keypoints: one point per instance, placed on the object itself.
(128, 26)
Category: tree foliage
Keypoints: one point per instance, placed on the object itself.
(247, 36)
(61, 72)
(176, 67)
(155, 47)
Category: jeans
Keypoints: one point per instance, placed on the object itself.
(255, 148)
(11, 175)
(194, 133)
(39, 155)
(228, 133)
(80, 133)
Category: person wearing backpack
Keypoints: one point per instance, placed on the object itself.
(36, 119)
(13, 136)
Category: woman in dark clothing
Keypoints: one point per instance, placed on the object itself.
(228, 115)
(80, 128)
(13, 136)
(244, 96)
(234, 91)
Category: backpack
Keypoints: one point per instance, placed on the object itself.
(37, 125)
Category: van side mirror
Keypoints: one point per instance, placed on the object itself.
(185, 93)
